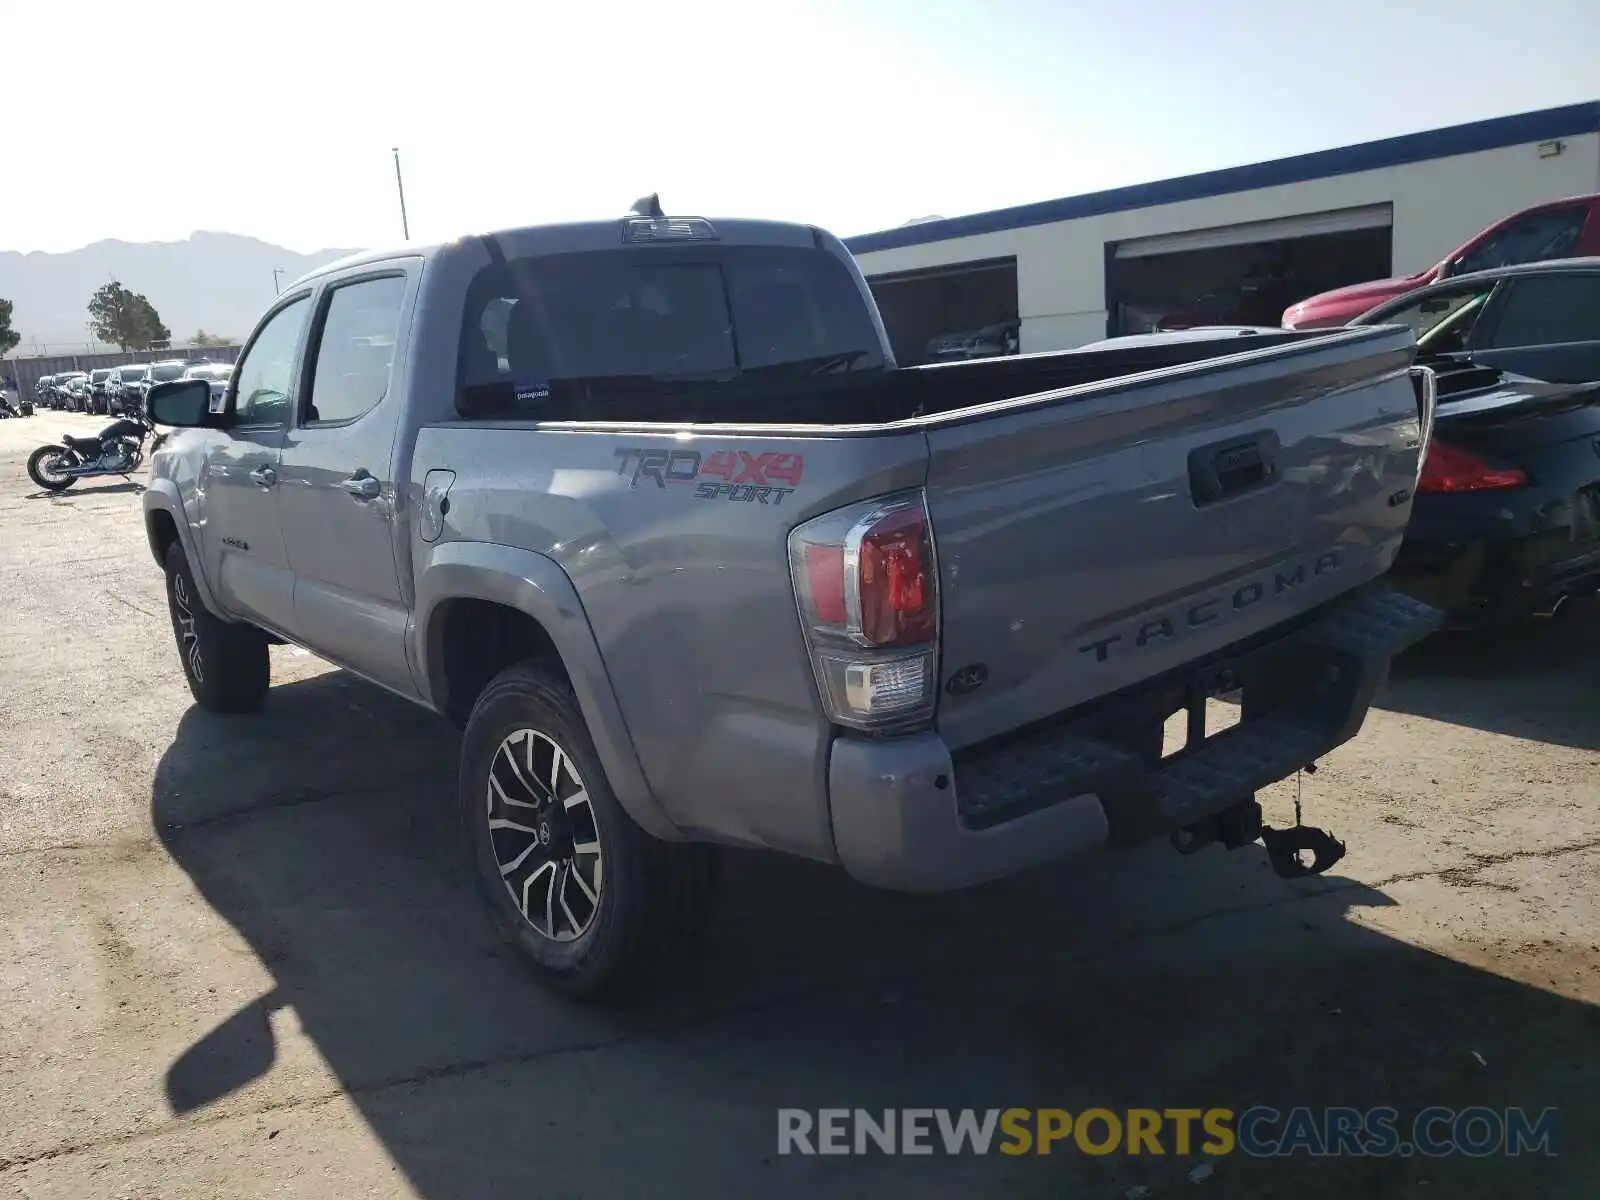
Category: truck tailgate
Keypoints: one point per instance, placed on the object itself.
(1092, 538)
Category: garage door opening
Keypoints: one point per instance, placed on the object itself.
(1242, 274)
(968, 310)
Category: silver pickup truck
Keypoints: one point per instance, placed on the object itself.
(645, 506)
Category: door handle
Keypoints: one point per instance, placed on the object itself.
(265, 476)
(362, 486)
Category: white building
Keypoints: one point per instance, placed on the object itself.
(1234, 245)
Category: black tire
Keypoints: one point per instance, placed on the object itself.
(225, 663)
(653, 901)
(50, 483)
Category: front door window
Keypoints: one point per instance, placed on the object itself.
(265, 375)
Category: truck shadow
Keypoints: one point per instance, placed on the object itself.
(1533, 679)
(323, 832)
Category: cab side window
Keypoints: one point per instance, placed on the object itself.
(1549, 311)
(264, 378)
(355, 350)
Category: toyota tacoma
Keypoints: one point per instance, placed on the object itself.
(646, 507)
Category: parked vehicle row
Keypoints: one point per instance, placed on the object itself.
(58, 391)
(119, 391)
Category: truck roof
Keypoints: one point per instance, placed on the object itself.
(575, 236)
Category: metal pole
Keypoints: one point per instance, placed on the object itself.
(405, 226)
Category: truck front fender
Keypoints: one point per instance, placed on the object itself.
(162, 495)
(537, 586)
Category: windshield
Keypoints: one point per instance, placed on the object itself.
(164, 373)
(664, 315)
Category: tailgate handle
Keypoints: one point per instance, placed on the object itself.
(1225, 469)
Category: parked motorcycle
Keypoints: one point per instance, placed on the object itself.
(117, 451)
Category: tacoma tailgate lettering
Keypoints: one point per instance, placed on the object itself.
(1162, 627)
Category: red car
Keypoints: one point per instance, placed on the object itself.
(1561, 229)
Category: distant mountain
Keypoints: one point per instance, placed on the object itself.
(219, 282)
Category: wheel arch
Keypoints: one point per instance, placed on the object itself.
(482, 607)
(166, 523)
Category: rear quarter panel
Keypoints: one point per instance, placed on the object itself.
(682, 573)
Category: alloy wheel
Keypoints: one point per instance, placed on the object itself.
(186, 630)
(543, 834)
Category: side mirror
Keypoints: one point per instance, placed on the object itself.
(185, 403)
(1448, 268)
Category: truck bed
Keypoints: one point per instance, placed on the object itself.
(838, 396)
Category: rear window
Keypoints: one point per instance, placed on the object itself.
(168, 372)
(661, 320)
(129, 374)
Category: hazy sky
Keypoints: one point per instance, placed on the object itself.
(147, 121)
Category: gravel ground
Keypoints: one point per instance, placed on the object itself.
(241, 957)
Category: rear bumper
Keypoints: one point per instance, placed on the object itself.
(1490, 573)
(909, 815)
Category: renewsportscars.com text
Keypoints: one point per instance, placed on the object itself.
(1258, 1132)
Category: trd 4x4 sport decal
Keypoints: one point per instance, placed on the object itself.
(736, 475)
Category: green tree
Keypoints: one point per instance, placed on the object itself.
(126, 318)
(9, 337)
(208, 341)
(153, 334)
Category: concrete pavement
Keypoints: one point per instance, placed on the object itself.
(242, 957)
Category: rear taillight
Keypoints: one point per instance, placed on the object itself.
(867, 584)
(1451, 469)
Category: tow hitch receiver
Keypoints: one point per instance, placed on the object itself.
(1287, 849)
